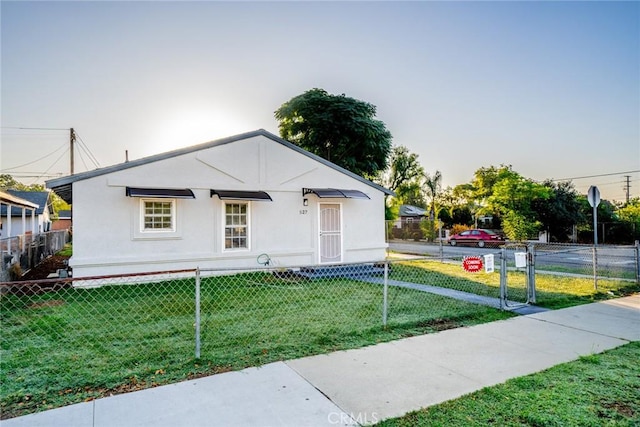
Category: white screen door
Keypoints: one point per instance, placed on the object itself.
(330, 233)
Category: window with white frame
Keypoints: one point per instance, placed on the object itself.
(236, 226)
(158, 215)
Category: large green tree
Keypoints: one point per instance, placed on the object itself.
(485, 178)
(630, 212)
(404, 169)
(457, 205)
(629, 216)
(8, 182)
(511, 196)
(338, 128)
(403, 176)
(561, 211)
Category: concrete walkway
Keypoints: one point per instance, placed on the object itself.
(519, 308)
(366, 385)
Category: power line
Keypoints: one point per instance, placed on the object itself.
(594, 176)
(52, 165)
(26, 128)
(82, 159)
(608, 183)
(35, 174)
(34, 161)
(88, 151)
(74, 138)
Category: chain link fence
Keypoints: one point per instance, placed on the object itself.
(604, 261)
(72, 339)
(552, 275)
(20, 253)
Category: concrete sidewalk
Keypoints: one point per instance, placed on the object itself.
(366, 385)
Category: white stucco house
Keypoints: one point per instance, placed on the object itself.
(222, 204)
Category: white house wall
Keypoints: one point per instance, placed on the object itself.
(41, 223)
(106, 240)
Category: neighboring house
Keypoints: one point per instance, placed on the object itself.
(27, 210)
(41, 217)
(63, 222)
(222, 204)
(407, 226)
(409, 213)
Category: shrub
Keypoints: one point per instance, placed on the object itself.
(459, 228)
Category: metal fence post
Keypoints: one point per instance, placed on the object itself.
(595, 268)
(385, 293)
(637, 253)
(440, 239)
(503, 278)
(197, 309)
(531, 273)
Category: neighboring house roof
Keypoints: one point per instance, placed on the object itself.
(40, 198)
(62, 186)
(9, 198)
(409, 210)
(64, 214)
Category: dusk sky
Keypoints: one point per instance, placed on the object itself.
(551, 88)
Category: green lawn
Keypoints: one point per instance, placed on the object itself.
(596, 390)
(76, 344)
(551, 291)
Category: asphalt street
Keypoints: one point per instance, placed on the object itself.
(574, 257)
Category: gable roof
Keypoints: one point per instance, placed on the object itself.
(6, 198)
(409, 210)
(40, 198)
(63, 186)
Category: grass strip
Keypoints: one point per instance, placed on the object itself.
(551, 291)
(596, 390)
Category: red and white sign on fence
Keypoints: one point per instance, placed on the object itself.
(472, 264)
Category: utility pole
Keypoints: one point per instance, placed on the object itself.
(627, 186)
(72, 140)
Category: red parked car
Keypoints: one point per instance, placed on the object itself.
(476, 237)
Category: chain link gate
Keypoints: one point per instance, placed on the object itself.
(517, 275)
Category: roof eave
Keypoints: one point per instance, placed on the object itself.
(65, 182)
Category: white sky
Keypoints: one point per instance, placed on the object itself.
(552, 88)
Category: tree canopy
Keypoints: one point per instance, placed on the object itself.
(630, 212)
(338, 128)
(561, 211)
(7, 182)
(512, 196)
(404, 168)
(404, 177)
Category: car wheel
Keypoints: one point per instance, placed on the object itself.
(481, 243)
(452, 242)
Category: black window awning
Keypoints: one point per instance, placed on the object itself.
(169, 193)
(241, 195)
(327, 193)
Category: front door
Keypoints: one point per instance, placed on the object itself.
(330, 233)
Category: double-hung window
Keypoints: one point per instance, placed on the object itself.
(236, 226)
(158, 215)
